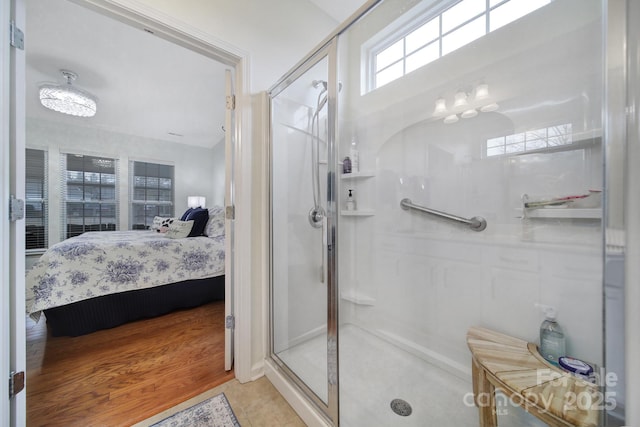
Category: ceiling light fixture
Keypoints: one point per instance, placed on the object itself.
(66, 98)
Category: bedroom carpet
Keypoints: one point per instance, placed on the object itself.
(213, 412)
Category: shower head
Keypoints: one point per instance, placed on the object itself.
(317, 83)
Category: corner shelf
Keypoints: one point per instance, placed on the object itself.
(358, 175)
(565, 213)
(362, 212)
(357, 298)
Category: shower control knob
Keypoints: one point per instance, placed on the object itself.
(316, 215)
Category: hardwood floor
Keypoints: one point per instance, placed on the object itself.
(121, 376)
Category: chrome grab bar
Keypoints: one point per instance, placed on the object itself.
(477, 223)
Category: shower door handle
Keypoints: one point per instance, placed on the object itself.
(323, 267)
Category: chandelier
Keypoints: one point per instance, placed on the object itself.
(66, 98)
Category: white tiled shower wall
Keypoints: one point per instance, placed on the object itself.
(422, 282)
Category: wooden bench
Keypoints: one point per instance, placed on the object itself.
(516, 368)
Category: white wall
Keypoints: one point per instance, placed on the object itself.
(195, 167)
(275, 33)
(427, 280)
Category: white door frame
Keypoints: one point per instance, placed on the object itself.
(140, 16)
(12, 120)
(12, 306)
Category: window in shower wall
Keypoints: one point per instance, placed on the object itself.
(534, 140)
(430, 36)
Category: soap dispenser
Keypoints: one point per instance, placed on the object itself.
(351, 203)
(552, 339)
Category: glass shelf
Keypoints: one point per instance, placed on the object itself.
(567, 213)
(357, 175)
(357, 298)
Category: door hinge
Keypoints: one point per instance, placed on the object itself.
(230, 212)
(16, 383)
(231, 102)
(16, 208)
(230, 322)
(16, 36)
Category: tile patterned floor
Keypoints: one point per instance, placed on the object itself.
(256, 404)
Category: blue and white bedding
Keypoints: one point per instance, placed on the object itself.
(106, 262)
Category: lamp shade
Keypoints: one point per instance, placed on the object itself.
(452, 118)
(482, 92)
(441, 108)
(196, 201)
(460, 100)
(68, 99)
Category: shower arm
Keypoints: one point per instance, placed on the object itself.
(477, 223)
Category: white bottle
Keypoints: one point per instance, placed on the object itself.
(354, 155)
(552, 340)
(351, 202)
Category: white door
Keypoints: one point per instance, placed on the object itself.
(229, 141)
(12, 250)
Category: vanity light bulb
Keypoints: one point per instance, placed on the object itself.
(482, 92)
(460, 100)
(441, 108)
(489, 108)
(451, 119)
(469, 113)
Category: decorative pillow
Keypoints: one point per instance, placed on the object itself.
(179, 229)
(215, 225)
(199, 216)
(160, 223)
(186, 214)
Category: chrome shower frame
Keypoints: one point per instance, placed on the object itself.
(329, 409)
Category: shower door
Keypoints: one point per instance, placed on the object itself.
(303, 326)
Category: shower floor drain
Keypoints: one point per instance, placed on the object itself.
(401, 407)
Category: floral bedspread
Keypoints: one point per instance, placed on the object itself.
(107, 262)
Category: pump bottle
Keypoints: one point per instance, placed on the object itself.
(552, 339)
(351, 203)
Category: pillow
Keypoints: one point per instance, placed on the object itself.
(179, 229)
(186, 214)
(199, 216)
(215, 225)
(161, 224)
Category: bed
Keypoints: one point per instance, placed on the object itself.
(100, 280)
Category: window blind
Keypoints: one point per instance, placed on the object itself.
(90, 194)
(152, 193)
(36, 199)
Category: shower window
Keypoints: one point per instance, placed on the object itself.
(534, 140)
(431, 37)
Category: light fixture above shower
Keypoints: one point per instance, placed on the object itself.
(465, 104)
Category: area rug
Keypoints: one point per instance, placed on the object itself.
(213, 412)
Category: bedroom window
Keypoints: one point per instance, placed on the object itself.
(89, 194)
(152, 193)
(432, 36)
(36, 200)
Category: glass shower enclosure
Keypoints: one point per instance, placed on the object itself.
(436, 165)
